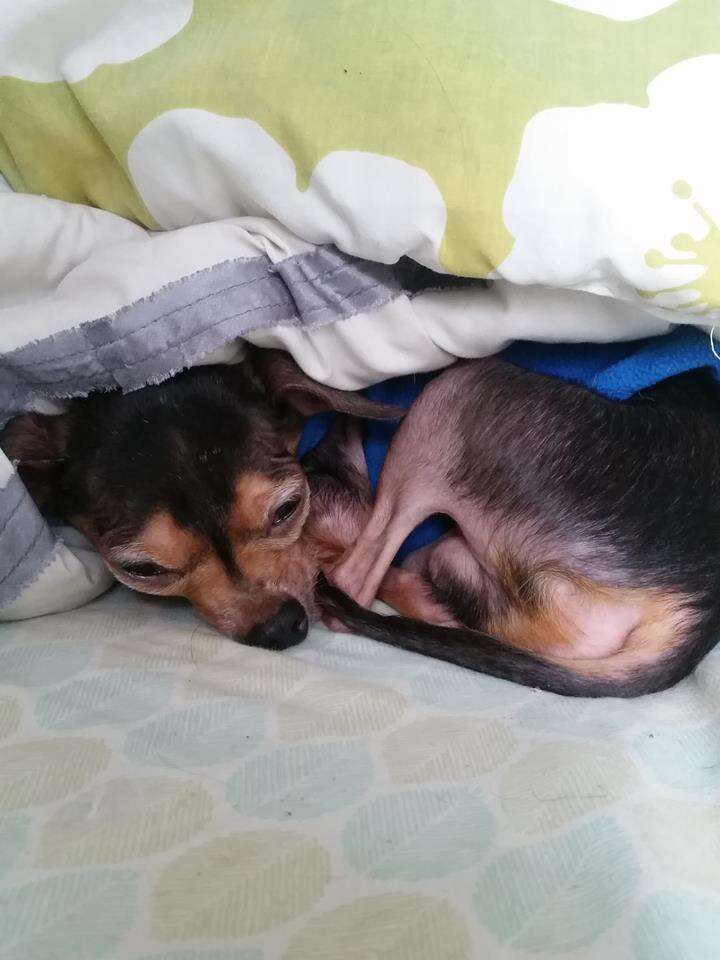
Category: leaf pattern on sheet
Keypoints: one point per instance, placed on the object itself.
(13, 836)
(39, 771)
(446, 749)
(559, 894)
(352, 656)
(577, 717)
(76, 916)
(123, 819)
(419, 834)
(453, 688)
(555, 783)
(247, 672)
(120, 696)
(238, 885)
(334, 708)
(683, 839)
(677, 925)
(40, 664)
(302, 781)
(687, 758)
(214, 731)
(250, 954)
(10, 716)
(393, 926)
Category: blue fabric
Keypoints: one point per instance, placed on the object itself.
(619, 370)
(614, 370)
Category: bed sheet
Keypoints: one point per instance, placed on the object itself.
(167, 794)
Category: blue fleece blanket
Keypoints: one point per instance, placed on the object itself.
(614, 370)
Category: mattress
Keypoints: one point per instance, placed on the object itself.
(167, 794)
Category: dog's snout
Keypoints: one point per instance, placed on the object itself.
(288, 627)
(290, 620)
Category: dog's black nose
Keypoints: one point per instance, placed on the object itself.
(288, 627)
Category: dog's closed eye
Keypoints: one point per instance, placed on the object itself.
(144, 570)
(144, 574)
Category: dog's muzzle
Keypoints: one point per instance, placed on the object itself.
(286, 628)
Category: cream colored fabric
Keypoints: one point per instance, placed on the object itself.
(168, 794)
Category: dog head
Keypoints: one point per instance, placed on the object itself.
(192, 487)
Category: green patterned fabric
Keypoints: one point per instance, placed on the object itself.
(562, 142)
(166, 794)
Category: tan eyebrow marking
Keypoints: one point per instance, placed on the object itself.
(165, 542)
(255, 497)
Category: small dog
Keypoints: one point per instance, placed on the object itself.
(584, 557)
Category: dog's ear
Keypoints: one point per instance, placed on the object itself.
(287, 385)
(37, 444)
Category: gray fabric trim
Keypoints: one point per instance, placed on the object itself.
(149, 340)
(26, 542)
